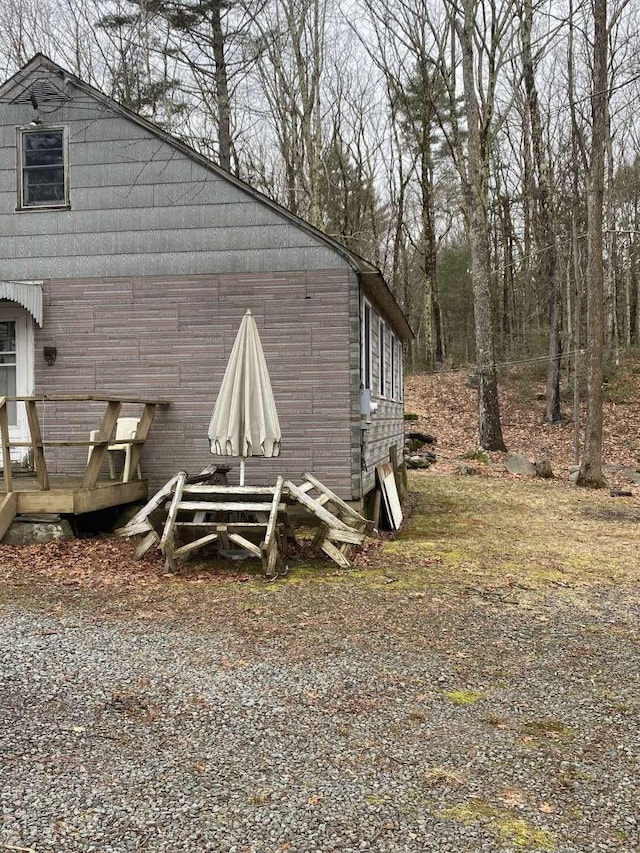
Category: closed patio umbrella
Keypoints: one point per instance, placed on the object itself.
(245, 421)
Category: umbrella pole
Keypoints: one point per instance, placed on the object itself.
(242, 460)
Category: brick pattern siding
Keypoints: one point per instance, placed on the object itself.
(171, 338)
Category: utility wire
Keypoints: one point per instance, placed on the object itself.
(474, 367)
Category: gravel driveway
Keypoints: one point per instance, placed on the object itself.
(423, 723)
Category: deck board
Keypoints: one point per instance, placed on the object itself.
(68, 496)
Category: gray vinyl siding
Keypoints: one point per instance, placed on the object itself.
(139, 206)
(387, 423)
(170, 338)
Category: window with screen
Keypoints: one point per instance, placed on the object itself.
(42, 168)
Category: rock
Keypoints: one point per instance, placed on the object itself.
(631, 475)
(422, 437)
(31, 533)
(518, 464)
(479, 455)
(416, 462)
(543, 467)
(467, 469)
(410, 449)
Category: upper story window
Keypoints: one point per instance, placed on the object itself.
(42, 168)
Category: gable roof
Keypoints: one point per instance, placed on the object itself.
(370, 276)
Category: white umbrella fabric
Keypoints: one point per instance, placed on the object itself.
(245, 421)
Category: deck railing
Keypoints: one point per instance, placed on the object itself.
(100, 444)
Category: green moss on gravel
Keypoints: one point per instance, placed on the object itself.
(464, 698)
(500, 822)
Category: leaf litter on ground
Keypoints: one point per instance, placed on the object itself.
(502, 538)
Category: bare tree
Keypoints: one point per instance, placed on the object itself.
(546, 240)
(291, 47)
(485, 31)
(591, 465)
(412, 77)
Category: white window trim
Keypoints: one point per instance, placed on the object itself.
(20, 132)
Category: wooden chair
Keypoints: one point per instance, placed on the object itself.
(125, 428)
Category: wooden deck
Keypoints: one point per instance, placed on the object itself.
(67, 495)
(41, 492)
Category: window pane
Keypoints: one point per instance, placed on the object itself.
(366, 347)
(42, 185)
(8, 336)
(42, 149)
(381, 357)
(45, 176)
(393, 368)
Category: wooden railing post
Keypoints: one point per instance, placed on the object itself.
(6, 449)
(105, 433)
(99, 446)
(39, 461)
(140, 437)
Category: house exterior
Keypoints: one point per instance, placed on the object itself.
(127, 261)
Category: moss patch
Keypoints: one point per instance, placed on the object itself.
(478, 455)
(464, 698)
(500, 822)
(542, 728)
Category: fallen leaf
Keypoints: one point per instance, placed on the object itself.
(512, 797)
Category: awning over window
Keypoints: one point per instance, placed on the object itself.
(25, 293)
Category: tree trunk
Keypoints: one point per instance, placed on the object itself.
(591, 466)
(546, 237)
(611, 337)
(222, 89)
(429, 252)
(627, 296)
(476, 203)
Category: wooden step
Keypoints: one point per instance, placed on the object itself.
(8, 509)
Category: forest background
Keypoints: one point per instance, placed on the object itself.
(483, 153)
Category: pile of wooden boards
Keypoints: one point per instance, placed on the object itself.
(198, 512)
